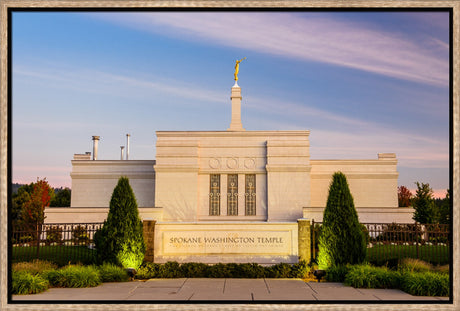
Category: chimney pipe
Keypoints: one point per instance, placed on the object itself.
(127, 146)
(95, 142)
(122, 152)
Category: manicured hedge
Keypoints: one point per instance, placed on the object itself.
(366, 276)
(112, 273)
(38, 276)
(173, 269)
(336, 273)
(426, 284)
(411, 277)
(74, 276)
(25, 283)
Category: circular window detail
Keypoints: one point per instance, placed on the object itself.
(249, 163)
(214, 163)
(232, 163)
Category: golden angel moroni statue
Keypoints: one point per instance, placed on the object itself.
(237, 67)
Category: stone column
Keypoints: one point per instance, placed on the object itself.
(149, 239)
(304, 232)
(236, 124)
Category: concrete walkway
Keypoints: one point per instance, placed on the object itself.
(268, 290)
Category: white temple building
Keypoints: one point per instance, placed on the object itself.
(226, 183)
(233, 175)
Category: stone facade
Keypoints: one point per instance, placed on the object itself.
(93, 181)
(231, 196)
(279, 161)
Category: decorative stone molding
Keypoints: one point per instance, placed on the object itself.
(232, 163)
(385, 175)
(214, 163)
(176, 168)
(136, 175)
(288, 168)
(249, 163)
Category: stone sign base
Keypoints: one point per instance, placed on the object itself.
(214, 242)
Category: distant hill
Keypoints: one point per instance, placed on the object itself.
(16, 186)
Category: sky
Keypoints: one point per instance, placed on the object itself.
(363, 83)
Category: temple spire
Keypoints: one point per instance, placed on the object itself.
(235, 124)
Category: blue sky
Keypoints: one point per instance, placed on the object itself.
(363, 83)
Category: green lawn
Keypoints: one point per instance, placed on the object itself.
(436, 254)
(60, 254)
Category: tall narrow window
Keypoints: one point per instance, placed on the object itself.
(214, 195)
(232, 195)
(250, 195)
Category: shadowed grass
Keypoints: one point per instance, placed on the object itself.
(59, 254)
(33, 267)
(435, 254)
(414, 265)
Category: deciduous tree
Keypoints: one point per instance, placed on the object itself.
(404, 197)
(33, 210)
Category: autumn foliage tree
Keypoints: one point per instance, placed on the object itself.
(33, 210)
(404, 197)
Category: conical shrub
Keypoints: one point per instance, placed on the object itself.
(120, 240)
(342, 239)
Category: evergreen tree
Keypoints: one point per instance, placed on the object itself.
(444, 209)
(62, 198)
(18, 200)
(342, 239)
(121, 240)
(425, 211)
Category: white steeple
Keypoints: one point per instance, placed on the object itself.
(236, 124)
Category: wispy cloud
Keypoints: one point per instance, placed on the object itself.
(361, 140)
(412, 150)
(331, 140)
(94, 81)
(309, 38)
